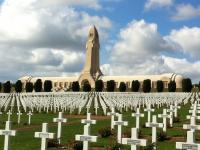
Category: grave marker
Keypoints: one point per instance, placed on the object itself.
(19, 117)
(134, 141)
(86, 137)
(29, 117)
(120, 123)
(59, 120)
(7, 133)
(112, 114)
(189, 144)
(44, 135)
(154, 124)
(137, 115)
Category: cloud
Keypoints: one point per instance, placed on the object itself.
(44, 41)
(184, 67)
(86, 3)
(185, 12)
(188, 39)
(141, 49)
(139, 40)
(152, 4)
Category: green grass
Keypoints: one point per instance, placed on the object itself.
(24, 140)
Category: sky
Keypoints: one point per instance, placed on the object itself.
(137, 37)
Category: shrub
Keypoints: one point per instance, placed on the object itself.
(75, 86)
(135, 86)
(99, 86)
(47, 85)
(7, 87)
(146, 86)
(127, 134)
(172, 86)
(18, 86)
(87, 87)
(162, 136)
(113, 145)
(38, 85)
(29, 87)
(122, 87)
(160, 86)
(150, 146)
(176, 119)
(52, 143)
(77, 145)
(111, 86)
(105, 132)
(186, 85)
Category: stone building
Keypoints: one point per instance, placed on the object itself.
(92, 72)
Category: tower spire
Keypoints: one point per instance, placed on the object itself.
(91, 70)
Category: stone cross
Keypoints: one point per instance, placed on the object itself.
(164, 115)
(192, 126)
(112, 114)
(7, 133)
(137, 115)
(190, 143)
(86, 137)
(176, 107)
(193, 117)
(19, 117)
(29, 117)
(44, 135)
(60, 120)
(88, 120)
(171, 112)
(134, 141)
(154, 124)
(149, 110)
(120, 123)
(9, 113)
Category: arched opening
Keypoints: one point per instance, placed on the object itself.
(84, 82)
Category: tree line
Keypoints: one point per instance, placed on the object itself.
(146, 87)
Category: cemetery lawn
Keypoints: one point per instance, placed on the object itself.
(24, 139)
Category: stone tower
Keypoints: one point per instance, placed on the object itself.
(91, 71)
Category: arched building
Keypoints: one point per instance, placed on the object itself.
(91, 71)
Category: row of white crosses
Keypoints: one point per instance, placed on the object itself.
(70, 101)
(190, 142)
(9, 113)
(133, 141)
(44, 135)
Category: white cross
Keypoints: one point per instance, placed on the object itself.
(164, 116)
(29, 117)
(192, 126)
(137, 115)
(112, 114)
(149, 110)
(154, 125)
(134, 141)
(7, 132)
(9, 113)
(176, 107)
(189, 144)
(171, 112)
(193, 117)
(44, 135)
(120, 123)
(86, 137)
(88, 120)
(19, 117)
(60, 119)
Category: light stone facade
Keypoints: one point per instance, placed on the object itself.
(92, 72)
